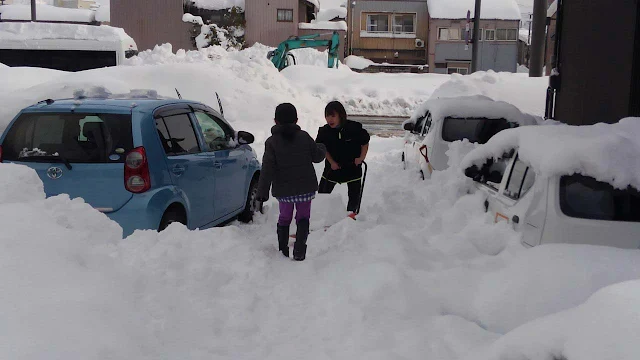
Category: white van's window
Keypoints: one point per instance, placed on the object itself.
(419, 124)
(586, 198)
(475, 130)
(66, 60)
(520, 180)
(427, 124)
(492, 172)
(77, 138)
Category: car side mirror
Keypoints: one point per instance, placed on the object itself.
(473, 172)
(409, 126)
(245, 138)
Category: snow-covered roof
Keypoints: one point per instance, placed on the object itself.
(553, 8)
(218, 4)
(42, 31)
(477, 106)
(332, 13)
(324, 25)
(46, 13)
(457, 9)
(606, 152)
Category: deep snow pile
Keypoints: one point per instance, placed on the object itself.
(607, 152)
(423, 273)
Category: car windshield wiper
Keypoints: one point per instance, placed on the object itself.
(61, 158)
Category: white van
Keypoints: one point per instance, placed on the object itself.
(439, 122)
(67, 47)
(564, 184)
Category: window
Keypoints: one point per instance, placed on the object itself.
(419, 124)
(285, 15)
(441, 65)
(427, 125)
(490, 35)
(448, 34)
(177, 135)
(475, 130)
(378, 23)
(506, 34)
(404, 24)
(586, 198)
(213, 132)
(79, 138)
(457, 70)
(520, 180)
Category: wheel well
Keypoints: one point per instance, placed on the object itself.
(178, 209)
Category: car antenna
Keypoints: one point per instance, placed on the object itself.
(178, 92)
(220, 104)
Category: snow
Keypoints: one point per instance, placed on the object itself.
(42, 31)
(357, 62)
(457, 9)
(103, 13)
(476, 106)
(524, 36)
(324, 25)
(46, 13)
(553, 8)
(332, 13)
(218, 4)
(192, 19)
(606, 152)
(423, 273)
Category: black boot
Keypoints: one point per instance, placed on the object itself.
(300, 247)
(283, 239)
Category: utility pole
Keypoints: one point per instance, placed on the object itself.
(33, 10)
(538, 37)
(476, 43)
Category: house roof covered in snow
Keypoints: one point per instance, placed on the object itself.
(457, 9)
(606, 152)
(46, 13)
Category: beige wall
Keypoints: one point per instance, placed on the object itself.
(262, 25)
(152, 22)
(434, 24)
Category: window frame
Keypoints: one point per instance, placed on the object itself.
(285, 12)
(393, 23)
(507, 32)
(160, 117)
(527, 171)
(368, 24)
(493, 34)
(458, 70)
(449, 29)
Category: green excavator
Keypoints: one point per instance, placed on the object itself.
(281, 57)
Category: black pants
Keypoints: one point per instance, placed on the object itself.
(353, 190)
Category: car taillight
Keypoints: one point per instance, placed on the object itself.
(136, 171)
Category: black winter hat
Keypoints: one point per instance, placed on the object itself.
(286, 114)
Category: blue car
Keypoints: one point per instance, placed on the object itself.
(144, 162)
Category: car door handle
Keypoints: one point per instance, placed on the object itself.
(178, 170)
(217, 165)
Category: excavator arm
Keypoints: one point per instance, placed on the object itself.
(279, 56)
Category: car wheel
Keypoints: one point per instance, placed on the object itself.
(252, 205)
(170, 217)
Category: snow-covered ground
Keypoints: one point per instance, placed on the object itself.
(422, 274)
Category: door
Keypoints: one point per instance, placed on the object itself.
(230, 162)
(415, 137)
(191, 168)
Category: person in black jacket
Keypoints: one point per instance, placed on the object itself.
(287, 164)
(347, 145)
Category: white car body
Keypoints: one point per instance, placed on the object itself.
(439, 122)
(563, 206)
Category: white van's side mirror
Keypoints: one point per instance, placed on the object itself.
(409, 126)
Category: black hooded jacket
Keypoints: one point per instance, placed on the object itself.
(344, 144)
(287, 163)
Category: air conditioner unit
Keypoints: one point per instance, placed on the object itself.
(419, 43)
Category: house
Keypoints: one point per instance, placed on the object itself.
(498, 39)
(152, 23)
(389, 31)
(271, 22)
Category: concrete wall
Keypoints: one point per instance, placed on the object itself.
(493, 55)
(383, 48)
(262, 26)
(152, 22)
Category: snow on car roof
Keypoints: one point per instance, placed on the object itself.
(476, 106)
(606, 152)
(490, 9)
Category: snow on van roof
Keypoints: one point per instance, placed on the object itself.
(46, 13)
(490, 9)
(476, 106)
(606, 152)
(45, 31)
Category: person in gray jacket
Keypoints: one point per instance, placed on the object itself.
(287, 167)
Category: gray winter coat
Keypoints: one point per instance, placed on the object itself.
(287, 163)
